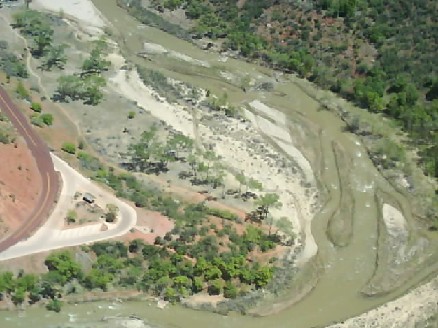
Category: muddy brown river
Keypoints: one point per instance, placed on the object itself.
(348, 181)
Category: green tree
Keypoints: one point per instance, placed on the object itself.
(192, 159)
(432, 93)
(246, 275)
(131, 276)
(212, 272)
(69, 87)
(95, 64)
(218, 177)
(171, 295)
(54, 305)
(182, 285)
(7, 282)
(108, 263)
(35, 294)
(180, 143)
(262, 276)
(92, 93)
(63, 263)
(47, 288)
(142, 152)
(198, 284)
(242, 181)
(136, 245)
(26, 282)
(97, 279)
(161, 284)
(55, 57)
(215, 287)
(18, 296)
(111, 212)
(269, 201)
(42, 41)
(202, 169)
(201, 266)
(210, 158)
(254, 184)
(12, 65)
(230, 290)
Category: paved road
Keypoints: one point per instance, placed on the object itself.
(50, 182)
(51, 236)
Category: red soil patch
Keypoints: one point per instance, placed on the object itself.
(20, 184)
(155, 222)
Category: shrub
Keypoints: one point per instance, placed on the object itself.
(223, 214)
(36, 107)
(22, 91)
(89, 162)
(131, 115)
(37, 121)
(69, 147)
(110, 217)
(47, 119)
(71, 216)
(11, 65)
(4, 137)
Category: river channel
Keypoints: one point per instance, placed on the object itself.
(346, 177)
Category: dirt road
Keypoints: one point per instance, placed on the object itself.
(50, 181)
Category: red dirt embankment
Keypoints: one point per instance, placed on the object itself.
(49, 178)
(20, 186)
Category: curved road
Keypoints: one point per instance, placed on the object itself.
(49, 234)
(52, 235)
(49, 178)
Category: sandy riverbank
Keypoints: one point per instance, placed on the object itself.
(394, 220)
(411, 310)
(84, 12)
(288, 174)
(298, 200)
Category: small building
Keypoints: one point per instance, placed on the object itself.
(89, 198)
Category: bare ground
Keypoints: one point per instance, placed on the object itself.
(19, 186)
(149, 226)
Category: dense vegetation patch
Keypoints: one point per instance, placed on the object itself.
(11, 63)
(150, 18)
(198, 255)
(381, 55)
(37, 28)
(86, 85)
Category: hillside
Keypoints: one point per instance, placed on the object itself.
(381, 55)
